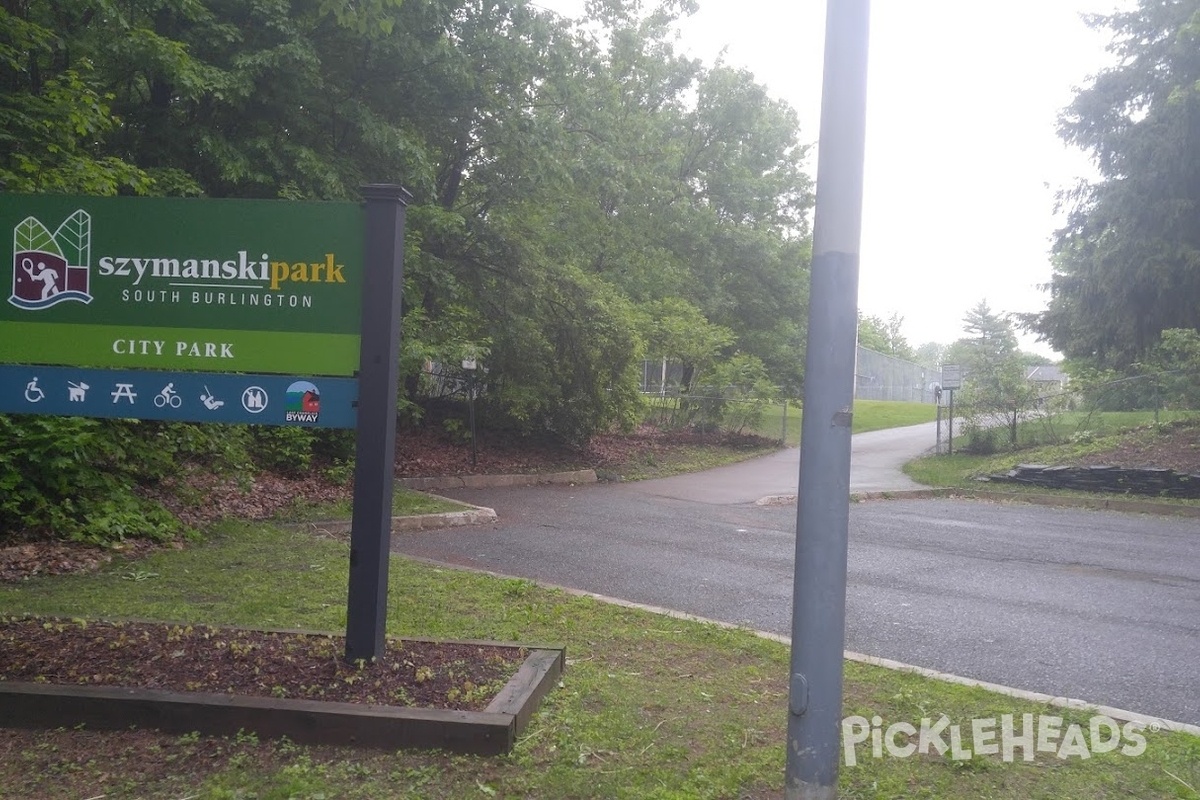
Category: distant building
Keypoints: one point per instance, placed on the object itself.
(1047, 377)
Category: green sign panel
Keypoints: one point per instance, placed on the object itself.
(182, 284)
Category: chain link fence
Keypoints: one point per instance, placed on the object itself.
(1075, 412)
(662, 377)
(878, 376)
(708, 412)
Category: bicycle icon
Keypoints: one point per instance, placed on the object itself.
(168, 397)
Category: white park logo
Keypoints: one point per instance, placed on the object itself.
(51, 268)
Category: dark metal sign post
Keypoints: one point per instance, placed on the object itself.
(823, 508)
(375, 445)
(950, 434)
(951, 380)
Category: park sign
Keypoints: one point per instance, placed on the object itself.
(245, 286)
(167, 309)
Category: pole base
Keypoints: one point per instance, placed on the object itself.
(809, 791)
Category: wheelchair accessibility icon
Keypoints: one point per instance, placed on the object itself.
(33, 392)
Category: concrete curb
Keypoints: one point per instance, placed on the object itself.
(1130, 506)
(473, 515)
(489, 481)
(1155, 724)
(478, 515)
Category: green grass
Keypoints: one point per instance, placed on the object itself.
(875, 415)
(650, 707)
(1076, 426)
(869, 415)
(1083, 439)
(956, 471)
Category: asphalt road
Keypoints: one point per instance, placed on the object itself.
(1099, 606)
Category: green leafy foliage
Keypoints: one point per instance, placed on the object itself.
(1177, 362)
(577, 373)
(83, 479)
(77, 478)
(287, 450)
(1127, 263)
(561, 181)
(739, 392)
(580, 200)
(883, 336)
(994, 387)
(1168, 378)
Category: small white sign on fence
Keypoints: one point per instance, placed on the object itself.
(951, 376)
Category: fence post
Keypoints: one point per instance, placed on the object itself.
(950, 431)
(937, 443)
(783, 439)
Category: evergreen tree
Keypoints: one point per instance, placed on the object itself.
(1127, 264)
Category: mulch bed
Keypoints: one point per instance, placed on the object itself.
(185, 658)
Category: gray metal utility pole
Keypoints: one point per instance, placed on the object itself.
(823, 508)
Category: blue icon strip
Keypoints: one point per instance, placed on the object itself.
(312, 402)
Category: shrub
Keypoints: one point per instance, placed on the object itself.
(981, 440)
(77, 478)
(282, 449)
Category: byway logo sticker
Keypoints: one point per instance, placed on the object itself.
(51, 268)
(303, 401)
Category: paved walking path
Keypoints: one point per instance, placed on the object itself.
(875, 466)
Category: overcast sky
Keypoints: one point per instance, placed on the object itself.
(963, 158)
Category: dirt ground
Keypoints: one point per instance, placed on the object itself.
(1176, 446)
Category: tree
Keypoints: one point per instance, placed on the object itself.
(676, 330)
(1127, 263)
(884, 336)
(931, 354)
(565, 179)
(1177, 362)
(872, 333)
(991, 335)
(897, 344)
(57, 114)
(994, 382)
